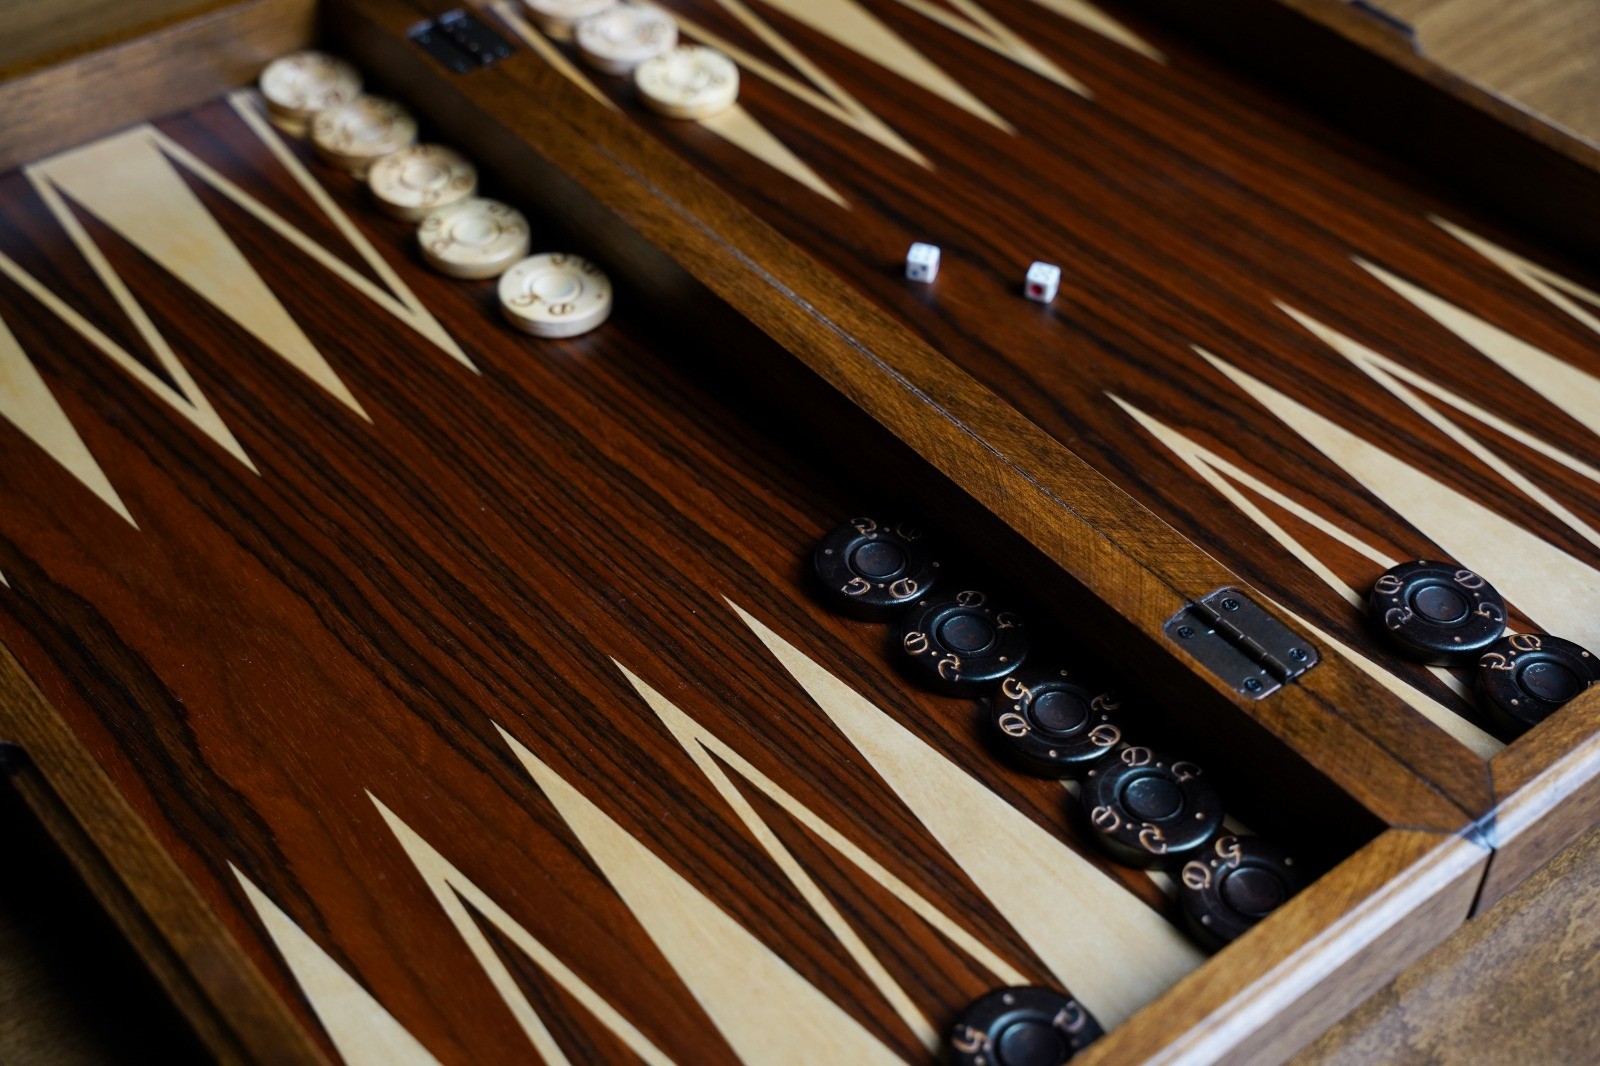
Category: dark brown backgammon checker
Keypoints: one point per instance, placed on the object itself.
(415, 687)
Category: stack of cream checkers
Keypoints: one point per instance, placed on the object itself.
(685, 81)
(298, 87)
(322, 94)
(459, 233)
(310, 90)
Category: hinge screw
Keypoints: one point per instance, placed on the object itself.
(1230, 604)
(1252, 684)
(1297, 654)
(1186, 632)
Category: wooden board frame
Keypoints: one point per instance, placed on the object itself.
(1367, 76)
(1313, 960)
(198, 963)
(56, 102)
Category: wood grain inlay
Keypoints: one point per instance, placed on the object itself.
(1189, 208)
(294, 607)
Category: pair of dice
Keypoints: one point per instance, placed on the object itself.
(1041, 284)
(1147, 808)
(1445, 615)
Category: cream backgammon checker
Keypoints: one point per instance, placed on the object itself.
(808, 664)
(624, 35)
(475, 238)
(416, 181)
(555, 295)
(690, 82)
(357, 134)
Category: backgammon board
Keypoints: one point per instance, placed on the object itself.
(807, 662)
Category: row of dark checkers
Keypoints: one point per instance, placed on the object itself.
(1144, 807)
(1444, 615)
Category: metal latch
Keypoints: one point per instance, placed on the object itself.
(1236, 639)
(460, 42)
(1390, 21)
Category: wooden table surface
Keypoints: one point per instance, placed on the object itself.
(1520, 984)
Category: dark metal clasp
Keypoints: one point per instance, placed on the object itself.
(1238, 640)
(460, 42)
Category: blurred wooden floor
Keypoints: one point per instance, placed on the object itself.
(1544, 54)
(1519, 985)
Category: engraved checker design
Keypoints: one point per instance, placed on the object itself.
(1469, 383)
(442, 799)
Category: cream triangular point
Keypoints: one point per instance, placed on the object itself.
(983, 28)
(1091, 17)
(740, 128)
(454, 892)
(1111, 950)
(547, 50)
(769, 1014)
(1560, 383)
(1406, 384)
(851, 25)
(1551, 586)
(361, 1030)
(1563, 292)
(27, 403)
(702, 745)
(1464, 732)
(813, 86)
(398, 299)
(1388, 371)
(182, 395)
(128, 184)
(1227, 479)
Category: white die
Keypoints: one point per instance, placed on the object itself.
(1044, 279)
(922, 262)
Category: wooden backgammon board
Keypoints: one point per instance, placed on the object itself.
(711, 640)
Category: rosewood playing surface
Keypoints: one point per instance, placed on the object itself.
(1310, 360)
(363, 602)
(472, 682)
